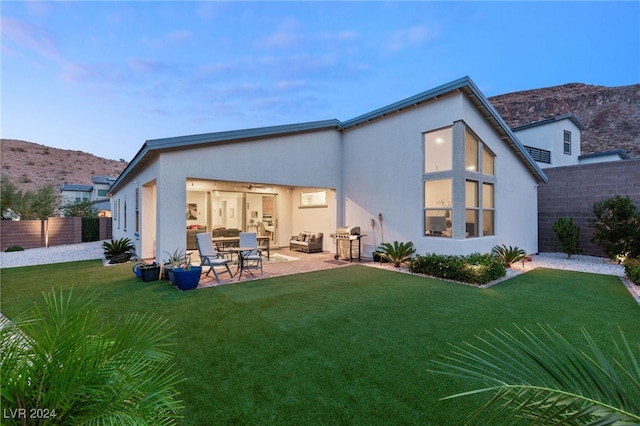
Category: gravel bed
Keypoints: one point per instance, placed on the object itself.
(55, 254)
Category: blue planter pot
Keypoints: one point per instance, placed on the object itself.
(187, 279)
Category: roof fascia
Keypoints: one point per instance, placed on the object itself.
(557, 118)
(418, 99)
(502, 127)
(219, 137)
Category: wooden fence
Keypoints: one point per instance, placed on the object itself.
(54, 231)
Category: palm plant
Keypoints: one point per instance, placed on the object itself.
(62, 359)
(508, 255)
(548, 380)
(118, 247)
(396, 253)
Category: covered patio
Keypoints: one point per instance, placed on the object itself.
(282, 262)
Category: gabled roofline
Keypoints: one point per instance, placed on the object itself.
(464, 84)
(568, 116)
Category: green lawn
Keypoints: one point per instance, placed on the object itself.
(343, 346)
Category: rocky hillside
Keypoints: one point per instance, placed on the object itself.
(610, 114)
(30, 166)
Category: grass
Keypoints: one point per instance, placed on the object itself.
(344, 346)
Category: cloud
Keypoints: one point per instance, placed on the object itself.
(35, 37)
(411, 37)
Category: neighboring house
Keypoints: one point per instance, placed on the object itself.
(556, 142)
(442, 168)
(97, 193)
(601, 157)
(553, 142)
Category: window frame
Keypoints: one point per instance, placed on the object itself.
(310, 195)
(566, 147)
(459, 175)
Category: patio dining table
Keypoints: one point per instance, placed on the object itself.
(242, 252)
(226, 243)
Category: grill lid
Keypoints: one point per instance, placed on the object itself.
(348, 230)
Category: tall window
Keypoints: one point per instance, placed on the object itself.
(479, 211)
(470, 211)
(567, 142)
(488, 209)
(137, 207)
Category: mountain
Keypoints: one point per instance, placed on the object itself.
(610, 114)
(30, 166)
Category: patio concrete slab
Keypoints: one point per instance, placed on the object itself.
(283, 262)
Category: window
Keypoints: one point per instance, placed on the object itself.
(567, 142)
(488, 209)
(102, 192)
(472, 209)
(487, 161)
(461, 214)
(313, 199)
(137, 207)
(438, 151)
(437, 207)
(470, 152)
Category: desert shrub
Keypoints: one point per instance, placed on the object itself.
(475, 268)
(507, 255)
(117, 247)
(14, 248)
(616, 224)
(632, 269)
(396, 253)
(568, 234)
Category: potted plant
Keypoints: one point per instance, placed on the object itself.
(187, 277)
(149, 272)
(175, 260)
(118, 251)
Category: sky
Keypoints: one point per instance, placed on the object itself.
(104, 77)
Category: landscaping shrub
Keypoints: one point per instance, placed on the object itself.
(117, 247)
(396, 253)
(507, 255)
(14, 248)
(632, 269)
(568, 234)
(617, 227)
(90, 229)
(475, 268)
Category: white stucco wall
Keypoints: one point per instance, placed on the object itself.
(550, 137)
(383, 174)
(369, 169)
(307, 159)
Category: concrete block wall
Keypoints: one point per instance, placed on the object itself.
(572, 191)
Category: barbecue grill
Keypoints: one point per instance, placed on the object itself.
(344, 238)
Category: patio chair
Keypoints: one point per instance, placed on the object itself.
(209, 257)
(253, 258)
